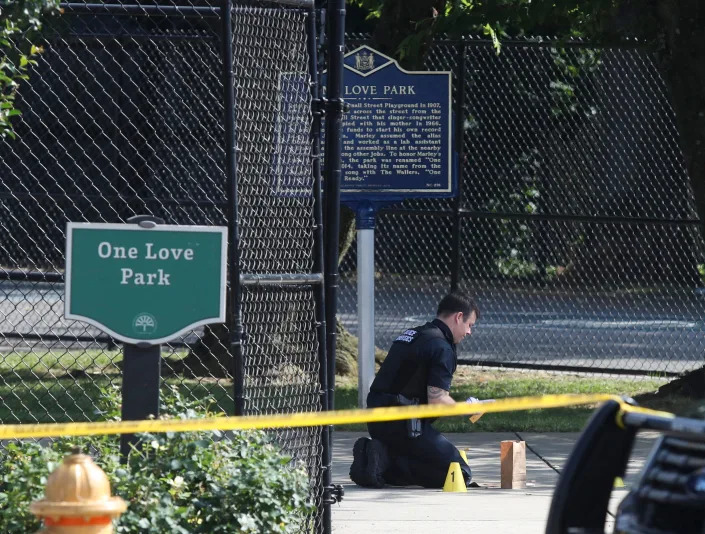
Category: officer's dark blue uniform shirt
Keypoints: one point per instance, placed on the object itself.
(419, 357)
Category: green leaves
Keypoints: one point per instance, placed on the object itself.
(20, 21)
(489, 30)
(182, 483)
(498, 18)
(513, 255)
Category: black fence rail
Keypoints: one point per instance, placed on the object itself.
(575, 223)
(197, 115)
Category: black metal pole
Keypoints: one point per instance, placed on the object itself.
(141, 374)
(333, 149)
(25, 275)
(318, 266)
(460, 149)
(140, 9)
(150, 9)
(235, 304)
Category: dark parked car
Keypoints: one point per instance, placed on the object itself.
(669, 496)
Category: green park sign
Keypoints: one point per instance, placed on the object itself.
(145, 285)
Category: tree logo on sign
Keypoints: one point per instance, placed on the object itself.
(144, 323)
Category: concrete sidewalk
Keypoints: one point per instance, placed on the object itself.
(486, 509)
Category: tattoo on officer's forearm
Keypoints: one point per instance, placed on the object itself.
(436, 393)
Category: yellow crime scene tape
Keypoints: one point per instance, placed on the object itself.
(310, 419)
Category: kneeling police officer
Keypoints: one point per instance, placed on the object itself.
(418, 370)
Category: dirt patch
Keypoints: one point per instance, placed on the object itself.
(467, 374)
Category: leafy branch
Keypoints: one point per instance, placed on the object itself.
(20, 23)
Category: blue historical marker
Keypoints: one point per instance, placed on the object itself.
(397, 139)
(397, 144)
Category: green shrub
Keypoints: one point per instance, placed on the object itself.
(175, 483)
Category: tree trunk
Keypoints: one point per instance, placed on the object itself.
(346, 232)
(346, 352)
(683, 64)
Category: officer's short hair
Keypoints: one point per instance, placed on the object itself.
(457, 302)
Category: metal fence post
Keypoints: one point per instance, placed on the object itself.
(325, 479)
(334, 147)
(333, 150)
(460, 140)
(234, 317)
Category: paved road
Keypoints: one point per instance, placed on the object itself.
(655, 331)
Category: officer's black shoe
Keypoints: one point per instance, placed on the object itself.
(377, 462)
(370, 460)
(358, 468)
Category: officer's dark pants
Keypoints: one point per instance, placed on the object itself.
(422, 461)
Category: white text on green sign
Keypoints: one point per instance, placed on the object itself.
(145, 285)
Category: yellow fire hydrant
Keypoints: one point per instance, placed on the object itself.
(77, 499)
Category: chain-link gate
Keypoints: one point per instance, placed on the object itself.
(129, 112)
(575, 224)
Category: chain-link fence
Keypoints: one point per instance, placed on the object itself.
(575, 224)
(126, 114)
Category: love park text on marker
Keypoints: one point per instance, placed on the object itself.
(107, 250)
(373, 90)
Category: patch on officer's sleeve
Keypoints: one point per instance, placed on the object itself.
(407, 337)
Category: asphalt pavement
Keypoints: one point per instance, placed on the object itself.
(659, 330)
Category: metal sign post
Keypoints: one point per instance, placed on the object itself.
(141, 374)
(365, 221)
(144, 283)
